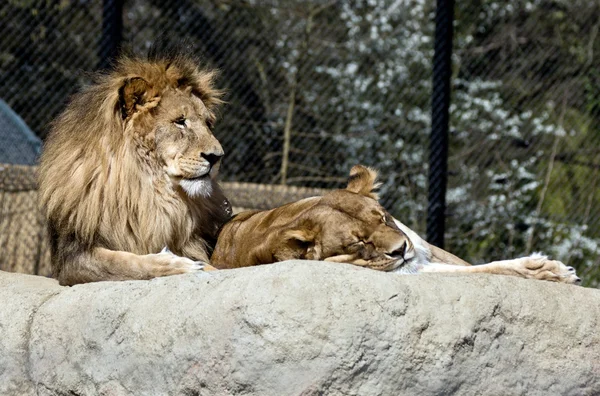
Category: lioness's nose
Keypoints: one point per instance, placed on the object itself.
(400, 251)
(212, 158)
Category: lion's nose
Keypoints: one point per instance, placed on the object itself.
(212, 158)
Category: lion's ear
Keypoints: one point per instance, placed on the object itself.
(136, 94)
(363, 181)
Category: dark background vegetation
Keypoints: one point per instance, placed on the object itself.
(315, 87)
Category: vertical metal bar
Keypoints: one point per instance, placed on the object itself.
(440, 103)
(112, 32)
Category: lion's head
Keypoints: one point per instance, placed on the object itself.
(131, 163)
(176, 124)
(347, 226)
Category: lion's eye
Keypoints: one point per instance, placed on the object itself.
(180, 122)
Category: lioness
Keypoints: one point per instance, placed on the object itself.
(350, 226)
(128, 169)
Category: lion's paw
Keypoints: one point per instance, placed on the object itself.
(172, 264)
(538, 266)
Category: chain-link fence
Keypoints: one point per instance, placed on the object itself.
(314, 87)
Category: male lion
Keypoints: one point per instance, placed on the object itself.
(128, 169)
(349, 226)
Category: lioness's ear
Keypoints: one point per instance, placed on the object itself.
(299, 235)
(302, 244)
(363, 181)
(134, 95)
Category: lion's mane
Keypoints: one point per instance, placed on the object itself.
(100, 184)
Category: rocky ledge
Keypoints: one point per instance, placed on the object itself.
(299, 328)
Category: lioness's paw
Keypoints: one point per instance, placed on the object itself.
(540, 267)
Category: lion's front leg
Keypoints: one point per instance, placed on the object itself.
(103, 264)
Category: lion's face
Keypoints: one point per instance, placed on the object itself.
(185, 143)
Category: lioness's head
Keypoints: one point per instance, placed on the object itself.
(170, 106)
(346, 226)
(350, 226)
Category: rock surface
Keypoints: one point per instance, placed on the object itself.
(299, 328)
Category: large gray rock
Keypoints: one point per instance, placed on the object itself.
(299, 328)
(20, 297)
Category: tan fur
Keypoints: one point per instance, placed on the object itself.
(349, 226)
(113, 173)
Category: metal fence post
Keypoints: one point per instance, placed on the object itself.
(440, 103)
(112, 32)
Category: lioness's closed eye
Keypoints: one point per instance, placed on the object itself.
(350, 226)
